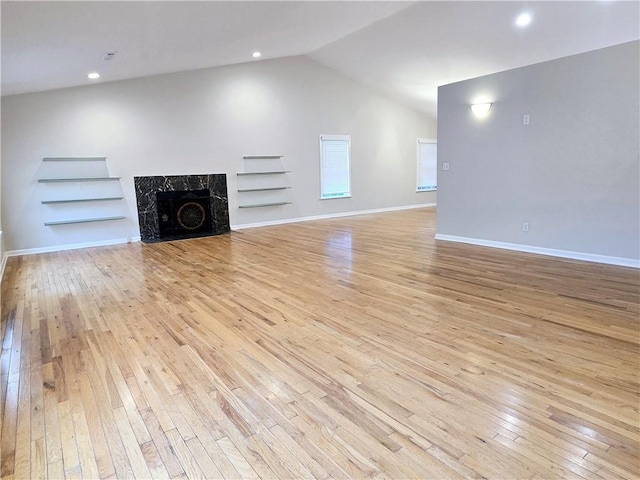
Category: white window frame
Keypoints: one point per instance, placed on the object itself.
(418, 186)
(346, 138)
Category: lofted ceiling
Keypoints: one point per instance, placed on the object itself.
(404, 49)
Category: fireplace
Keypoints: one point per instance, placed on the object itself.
(182, 206)
(183, 212)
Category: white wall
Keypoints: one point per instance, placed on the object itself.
(204, 122)
(573, 174)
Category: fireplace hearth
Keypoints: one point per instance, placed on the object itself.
(182, 206)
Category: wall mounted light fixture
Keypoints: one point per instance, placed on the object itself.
(523, 20)
(481, 109)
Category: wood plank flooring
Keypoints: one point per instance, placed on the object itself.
(349, 348)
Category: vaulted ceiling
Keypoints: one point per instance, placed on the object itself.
(404, 49)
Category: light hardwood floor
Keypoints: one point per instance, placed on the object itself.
(348, 348)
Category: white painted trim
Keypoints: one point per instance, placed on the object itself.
(4, 264)
(118, 241)
(344, 138)
(587, 257)
(73, 246)
(330, 215)
(3, 261)
(418, 142)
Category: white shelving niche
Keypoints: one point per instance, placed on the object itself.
(76, 190)
(264, 183)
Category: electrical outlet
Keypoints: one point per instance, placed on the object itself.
(525, 227)
(526, 119)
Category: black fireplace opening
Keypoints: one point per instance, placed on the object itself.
(184, 213)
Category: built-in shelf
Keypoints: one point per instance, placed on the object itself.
(73, 200)
(255, 185)
(272, 204)
(262, 189)
(79, 190)
(74, 159)
(83, 220)
(263, 173)
(83, 179)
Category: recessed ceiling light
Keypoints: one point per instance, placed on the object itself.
(523, 20)
(93, 75)
(256, 54)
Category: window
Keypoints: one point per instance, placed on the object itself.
(427, 165)
(335, 166)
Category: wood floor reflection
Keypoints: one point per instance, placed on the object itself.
(348, 348)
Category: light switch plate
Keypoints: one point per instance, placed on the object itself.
(445, 166)
(526, 119)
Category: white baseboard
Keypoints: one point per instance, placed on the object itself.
(3, 261)
(587, 257)
(328, 216)
(117, 241)
(72, 246)
(2, 265)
